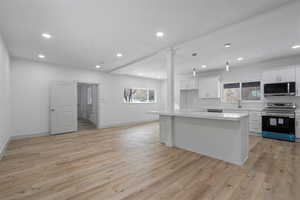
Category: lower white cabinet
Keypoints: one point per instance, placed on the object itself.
(166, 128)
(255, 121)
(297, 121)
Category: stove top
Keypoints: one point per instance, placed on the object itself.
(280, 108)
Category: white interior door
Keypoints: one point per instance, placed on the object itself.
(63, 108)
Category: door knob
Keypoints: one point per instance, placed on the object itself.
(52, 109)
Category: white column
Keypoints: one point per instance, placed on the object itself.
(170, 79)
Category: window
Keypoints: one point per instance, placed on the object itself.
(139, 95)
(251, 91)
(231, 92)
(246, 91)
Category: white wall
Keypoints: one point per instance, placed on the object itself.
(30, 95)
(249, 72)
(4, 96)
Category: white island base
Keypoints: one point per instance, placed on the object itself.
(223, 136)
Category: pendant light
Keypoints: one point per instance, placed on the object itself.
(227, 46)
(227, 66)
(194, 72)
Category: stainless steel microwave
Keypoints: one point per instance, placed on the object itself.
(280, 89)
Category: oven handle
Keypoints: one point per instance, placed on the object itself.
(278, 115)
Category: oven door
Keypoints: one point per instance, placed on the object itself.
(278, 124)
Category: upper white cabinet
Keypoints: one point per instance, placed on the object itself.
(297, 80)
(209, 87)
(279, 75)
(189, 84)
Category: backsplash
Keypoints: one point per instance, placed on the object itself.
(190, 101)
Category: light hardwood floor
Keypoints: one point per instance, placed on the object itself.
(129, 163)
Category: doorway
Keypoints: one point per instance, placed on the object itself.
(87, 106)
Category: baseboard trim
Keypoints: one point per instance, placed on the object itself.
(259, 135)
(254, 134)
(16, 137)
(114, 125)
(3, 150)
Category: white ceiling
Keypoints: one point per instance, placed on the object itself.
(260, 38)
(263, 37)
(86, 33)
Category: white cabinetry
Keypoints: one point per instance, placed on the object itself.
(189, 84)
(280, 75)
(209, 87)
(255, 121)
(297, 125)
(165, 127)
(297, 80)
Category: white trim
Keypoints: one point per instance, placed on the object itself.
(16, 137)
(98, 101)
(4, 147)
(112, 125)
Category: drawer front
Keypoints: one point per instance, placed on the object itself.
(255, 116)
(255, 127)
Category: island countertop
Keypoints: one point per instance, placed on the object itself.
(204, 115)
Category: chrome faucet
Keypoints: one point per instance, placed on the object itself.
(239, 104)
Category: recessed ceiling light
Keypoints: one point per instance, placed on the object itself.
(98, 66)
(41, 56)
(46, 35)
(227, 45)
(140, 74)
(297, 46)
(119, 55)
(240, 58)
(203, 66)
(160, 34)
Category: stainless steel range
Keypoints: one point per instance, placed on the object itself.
(278, 121)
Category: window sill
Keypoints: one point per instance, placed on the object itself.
(140, 102)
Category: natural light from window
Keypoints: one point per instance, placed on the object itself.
(139, 95)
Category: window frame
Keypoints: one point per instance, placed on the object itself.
(222, 92)
(260, 98)
(240, 97)
(147, 89)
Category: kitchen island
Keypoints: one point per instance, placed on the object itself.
(223, 136)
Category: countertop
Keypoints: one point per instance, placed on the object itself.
(243, 109)
(205, 115)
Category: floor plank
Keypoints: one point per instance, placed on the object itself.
(129, 163)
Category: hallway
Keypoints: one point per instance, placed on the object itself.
(84, 124)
